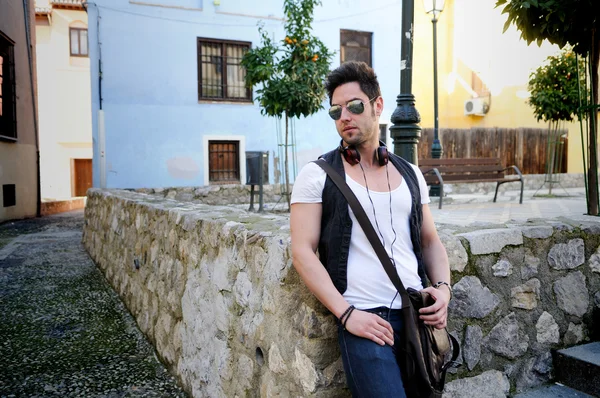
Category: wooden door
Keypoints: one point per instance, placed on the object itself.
(82, 176)
(224, 162)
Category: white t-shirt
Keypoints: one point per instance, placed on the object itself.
(368, 284)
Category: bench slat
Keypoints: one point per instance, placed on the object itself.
(469, 169)
(464, 161)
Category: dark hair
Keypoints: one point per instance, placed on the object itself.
(353, 71)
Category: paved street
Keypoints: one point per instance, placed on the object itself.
(63, 331)
(478, 208)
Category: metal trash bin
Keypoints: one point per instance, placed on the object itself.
(257, 173)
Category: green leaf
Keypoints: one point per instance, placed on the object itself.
(506, 25)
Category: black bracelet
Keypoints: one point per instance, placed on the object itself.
(348, 316)
(437, 285)
(346, 313)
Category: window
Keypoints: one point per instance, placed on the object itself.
(220, 75)
(8, 113)
(355, 46)
(223, 162)
(9, 195)
(79, 42)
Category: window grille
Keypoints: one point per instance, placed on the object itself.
(220, 74)
(355, 46)
(224, 162)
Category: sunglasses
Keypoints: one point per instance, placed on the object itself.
(355, 107)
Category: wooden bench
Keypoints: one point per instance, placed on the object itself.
(453, 171)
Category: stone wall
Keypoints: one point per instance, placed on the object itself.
(240, 194)
(214, 289)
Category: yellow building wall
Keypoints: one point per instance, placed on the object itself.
(470, 39)
(64, 102)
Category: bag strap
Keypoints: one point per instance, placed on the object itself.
(368, 229)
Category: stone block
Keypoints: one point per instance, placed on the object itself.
(472, 299)
(507, 338)
(530, 268)
(488, 241)
(575, 334)
(567, 255)
(572, 294)
(526, 296)
(472, 348)
(490, 384)
(305, 372)
(457, 255)
(547, 329)
(594, 261)
(502, 268)
(537, 231)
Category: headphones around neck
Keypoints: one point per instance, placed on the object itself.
(352, 155)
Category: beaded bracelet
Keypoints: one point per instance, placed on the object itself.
(348, 310)
(437, 285)
(348, 316)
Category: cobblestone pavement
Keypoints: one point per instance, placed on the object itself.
(63, 330)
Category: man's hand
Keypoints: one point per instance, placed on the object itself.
(436, 315)
(370, 326)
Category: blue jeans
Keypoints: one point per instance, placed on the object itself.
(371, 369)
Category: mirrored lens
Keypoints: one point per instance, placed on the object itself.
(357, 107)
(335, 112)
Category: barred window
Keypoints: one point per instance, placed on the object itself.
(220, 75)
(8, 117)
(355, 46)
(224, 162)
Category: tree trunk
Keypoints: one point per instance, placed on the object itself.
(552, 131)
(287, 169)
(593, 113)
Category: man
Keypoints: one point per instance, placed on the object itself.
(348, 277)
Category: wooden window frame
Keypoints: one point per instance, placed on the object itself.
(370, 47)
(237, 171)
(223, 43)
(79, 54)
(8, 120)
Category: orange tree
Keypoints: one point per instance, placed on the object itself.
(554, 89)
(290, 72)
(566, 22)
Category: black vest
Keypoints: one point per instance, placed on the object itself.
(336, 224)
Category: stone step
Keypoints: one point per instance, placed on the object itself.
(579, 367)
(553, 391)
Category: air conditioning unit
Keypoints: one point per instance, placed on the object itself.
(476, 107)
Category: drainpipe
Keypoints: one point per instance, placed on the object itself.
(34, 104)
(100, 116)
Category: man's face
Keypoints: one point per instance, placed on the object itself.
(356, 129)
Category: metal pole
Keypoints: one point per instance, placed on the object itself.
(405, 130)
(436, 146)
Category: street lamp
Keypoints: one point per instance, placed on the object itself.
(405, 130)
(435, 7)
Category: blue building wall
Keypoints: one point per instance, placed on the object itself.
(155, 127)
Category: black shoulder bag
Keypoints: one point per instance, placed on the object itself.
(422, 353)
